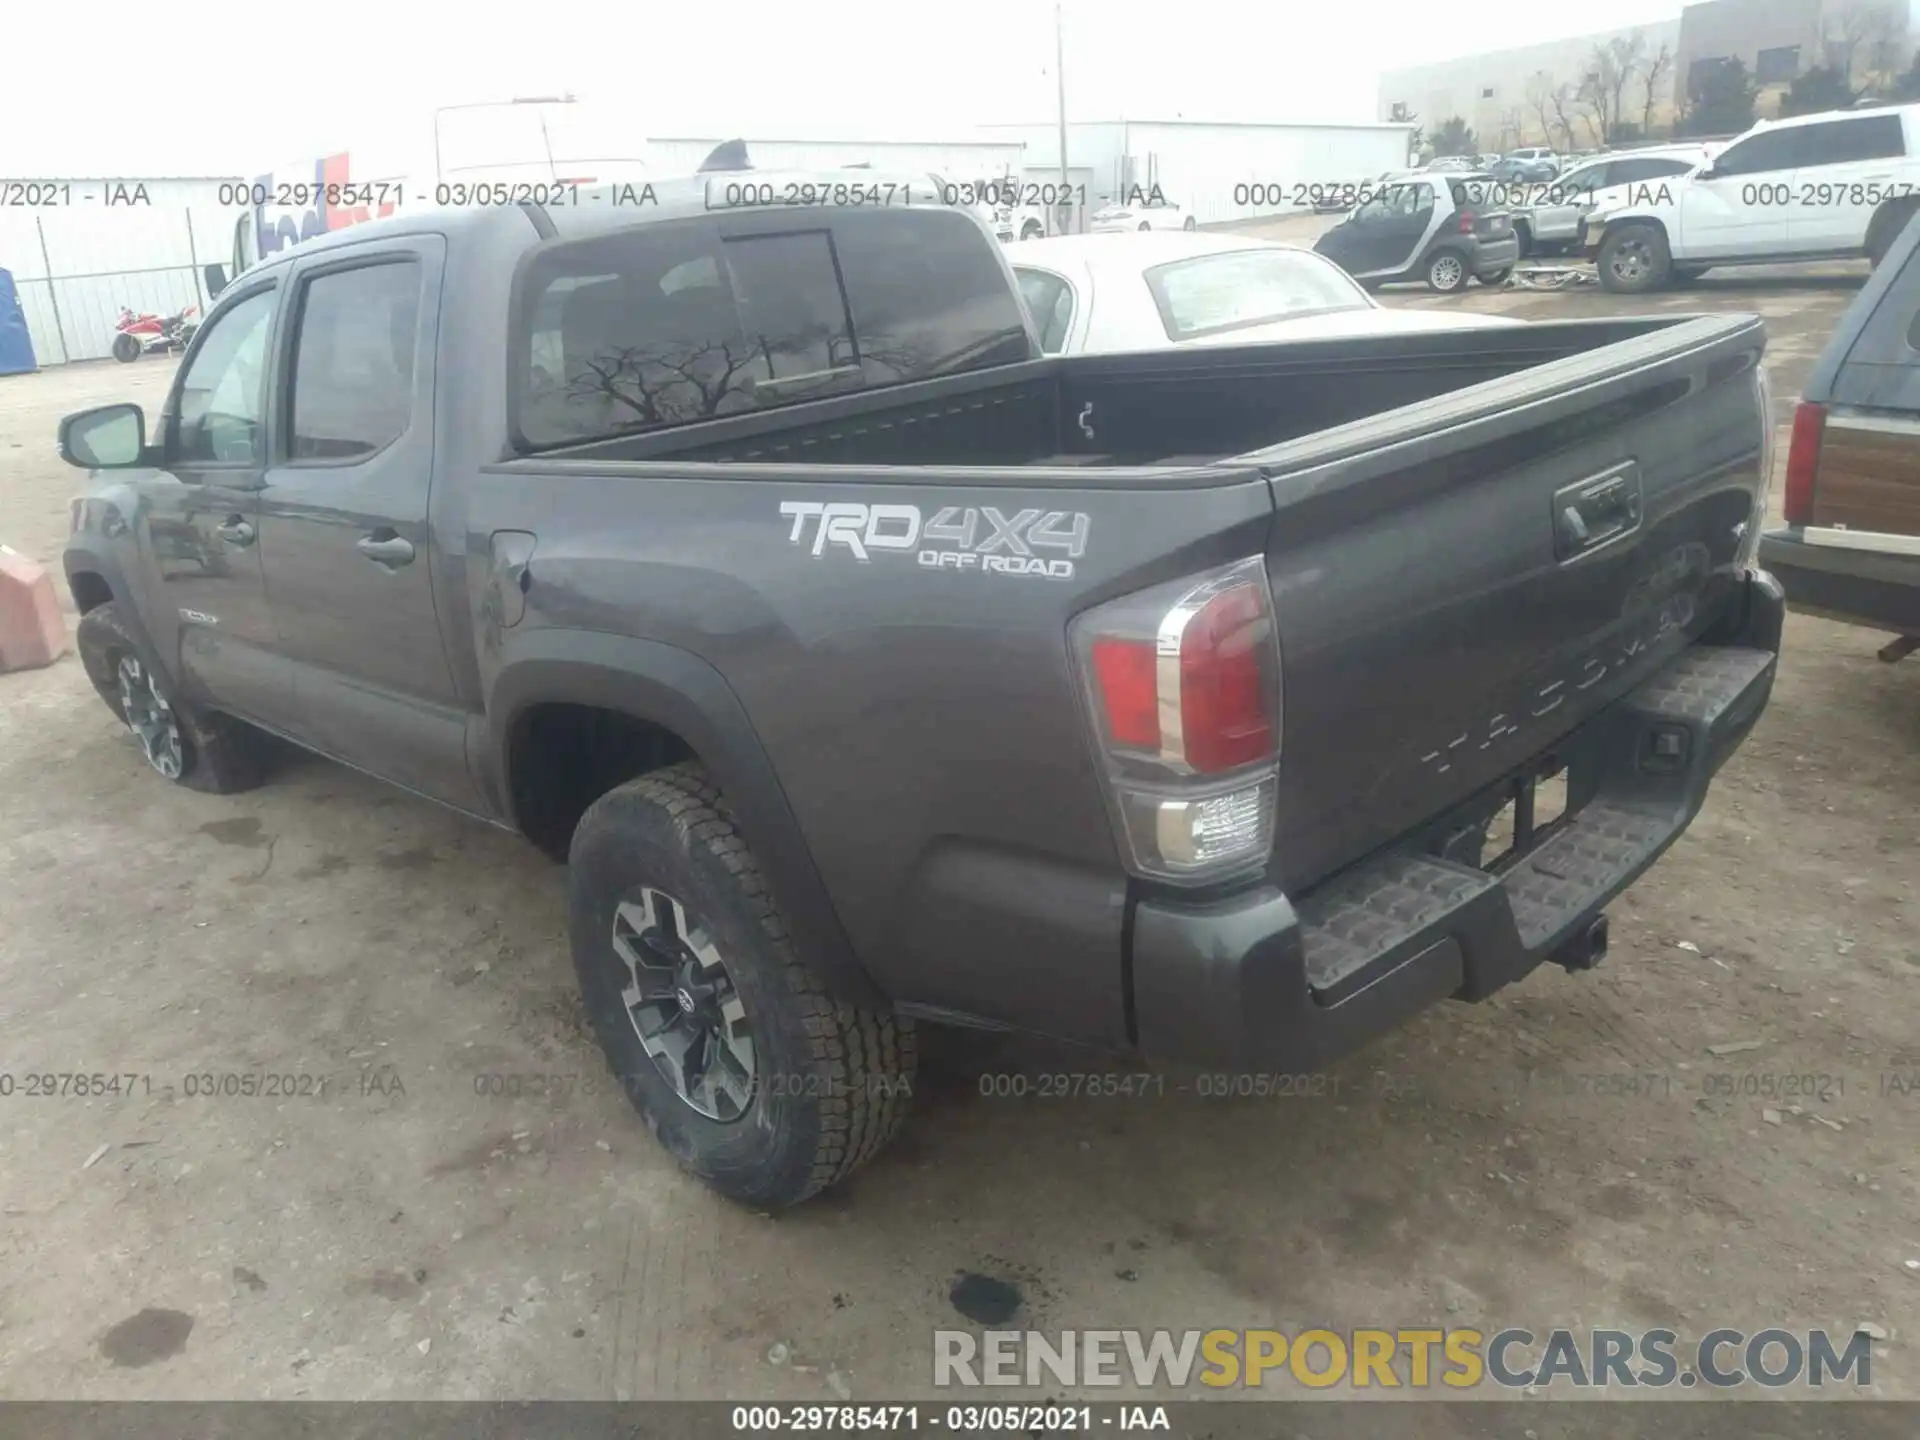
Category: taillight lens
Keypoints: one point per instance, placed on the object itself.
(1183, 682)
(1466, 222)
(1803, 461)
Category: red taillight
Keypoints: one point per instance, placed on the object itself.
(1226, 712)
(1803, 461)
(1183, 680)
(1466, 222)
(1129, 691)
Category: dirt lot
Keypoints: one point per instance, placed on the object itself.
(405, 1234)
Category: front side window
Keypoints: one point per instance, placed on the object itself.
(353, 361)
(1050, 301)
(1213, 293)
(1759, 154)
(221, 413)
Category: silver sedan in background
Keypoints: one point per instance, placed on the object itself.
(1091, 293)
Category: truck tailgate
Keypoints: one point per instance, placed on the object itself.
(1459, 583)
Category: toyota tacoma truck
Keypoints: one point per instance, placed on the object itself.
(868, 667)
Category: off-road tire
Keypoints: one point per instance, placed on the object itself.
(219, 755)
(833, 1079)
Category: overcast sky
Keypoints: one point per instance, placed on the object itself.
(108, 87)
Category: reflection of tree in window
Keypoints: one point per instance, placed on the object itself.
(791, 303)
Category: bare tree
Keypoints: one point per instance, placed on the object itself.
(1611, 69)
(1566, 109)
(1658, 65)
(1864, 38)
(1547, 97)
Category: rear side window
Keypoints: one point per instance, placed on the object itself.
(673, 323)
(353, 361)
(1838, 142)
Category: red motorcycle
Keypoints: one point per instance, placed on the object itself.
(137, 335)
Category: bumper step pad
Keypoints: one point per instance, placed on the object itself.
(1363, 925)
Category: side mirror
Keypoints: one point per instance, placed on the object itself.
(1706, 172)
(215, 276)
(111, 437)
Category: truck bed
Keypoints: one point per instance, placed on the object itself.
(1196, 406)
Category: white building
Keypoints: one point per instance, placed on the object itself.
(106, 243)
(1504, 94)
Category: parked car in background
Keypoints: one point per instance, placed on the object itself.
(1517, 168)
(1850, 548)
(1443, 229)
(1838, 185)
(1550, 218)
(997, 201)
(1535, 155)
(1154, 212)
(1089, 295)
(1453, 163)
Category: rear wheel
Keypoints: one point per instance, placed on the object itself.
(751, 1075)
(1635, 259)
(182, 743)
(1447, 272)
(126, 348)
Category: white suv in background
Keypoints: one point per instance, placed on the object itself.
(1551, 218)
(1837, 185)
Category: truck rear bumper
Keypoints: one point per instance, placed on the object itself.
(1261, 978)
(1861, 587)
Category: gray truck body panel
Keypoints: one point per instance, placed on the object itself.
(902, 731)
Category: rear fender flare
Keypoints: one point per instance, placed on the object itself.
(674, 688)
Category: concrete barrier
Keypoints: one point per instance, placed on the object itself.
(32, 631)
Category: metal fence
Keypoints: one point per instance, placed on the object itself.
(77, 265)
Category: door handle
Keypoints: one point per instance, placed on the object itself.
(386, 548)
(235, 531)
(1594, 511)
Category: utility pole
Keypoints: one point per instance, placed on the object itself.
(1060, 81)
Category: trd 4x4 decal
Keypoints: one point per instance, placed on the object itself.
(980, 538)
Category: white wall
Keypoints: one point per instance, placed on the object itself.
(1202, 167)
(683, 156)
(101, 256)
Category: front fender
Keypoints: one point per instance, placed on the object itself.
(674, 688)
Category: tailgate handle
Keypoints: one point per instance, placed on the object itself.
(1596, 511)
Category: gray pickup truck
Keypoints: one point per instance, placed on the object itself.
(870, 668)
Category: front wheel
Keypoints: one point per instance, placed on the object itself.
(1635, 259)
(126, 349)
(182, 743)
(1447, 272)
(751, 1075)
